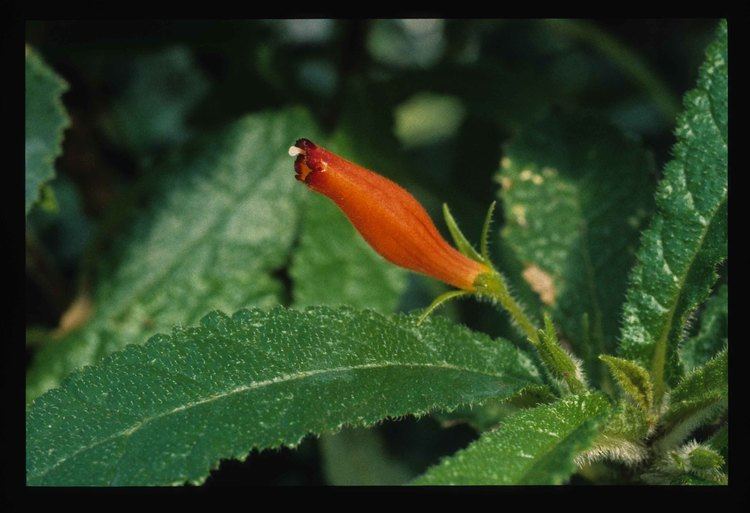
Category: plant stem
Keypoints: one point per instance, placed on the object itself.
(493, 286)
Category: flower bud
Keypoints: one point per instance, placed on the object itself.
(389, 218)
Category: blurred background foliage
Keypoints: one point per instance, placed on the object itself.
(426, 102)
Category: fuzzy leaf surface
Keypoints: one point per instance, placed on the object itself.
(687, 237)
(168, 411)
(634, 380)
(46, 120)
(219, 220)
(535, 446)
(699, 397)
(708, 381)
(713, 333)
(574, 190)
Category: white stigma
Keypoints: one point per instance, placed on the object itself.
(294, 151)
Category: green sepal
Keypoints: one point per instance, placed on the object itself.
(442, 298)
(484, 241)
(462, 243)
(634, 380)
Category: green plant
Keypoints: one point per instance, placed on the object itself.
(283, 319)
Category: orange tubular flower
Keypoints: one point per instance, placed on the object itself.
(386, 215)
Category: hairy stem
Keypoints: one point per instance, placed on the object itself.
(493, 286)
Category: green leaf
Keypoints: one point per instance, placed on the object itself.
(535, 446)
(574, 191)
(333, 265)
(490, 413)
(713, 333)
(719, 441)
(46, 120)
(168, 411)
(708, 380)
(462, 244)
(221, 218)
(699, 397)
(622, 437)
(687, 237)
(634, 380)
(558, 361)
(358, 457)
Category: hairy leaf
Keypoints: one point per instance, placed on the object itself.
(634, 380)
(46, 120)
(713, 333)
(622, 438)
(700, 395)
(558, 361)
(490, 413)
(687, 237)
(335, 266)
(720, 440)
(221, 218)
(535, 446)
(166, 412)
(708, 380)
(574, 190)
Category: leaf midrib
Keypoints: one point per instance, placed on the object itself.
(660, 351)
(534, 464)
(260, 384)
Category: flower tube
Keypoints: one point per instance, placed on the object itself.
(390, 219)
